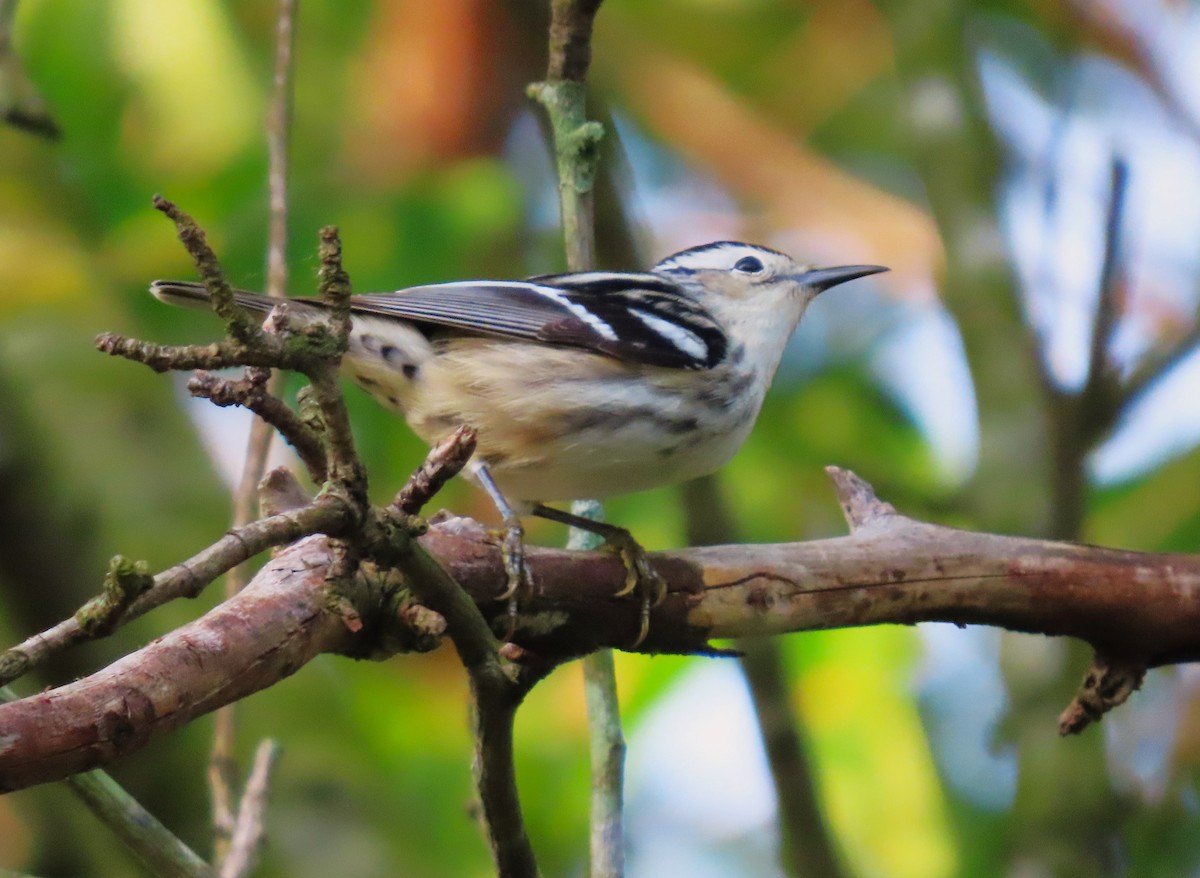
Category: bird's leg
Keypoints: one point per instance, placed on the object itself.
(512, 546)
(639, 575)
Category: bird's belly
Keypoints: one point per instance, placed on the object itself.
(557, 424)
(636, 455)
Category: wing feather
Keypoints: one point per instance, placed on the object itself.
(637, 318)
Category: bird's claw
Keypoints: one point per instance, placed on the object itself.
(512, 551)
(640, 577)
(519, 579)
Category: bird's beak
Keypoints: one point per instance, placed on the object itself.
(821, 279)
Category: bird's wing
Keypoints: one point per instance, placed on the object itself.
(638, 318)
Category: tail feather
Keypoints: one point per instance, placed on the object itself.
(189, 294)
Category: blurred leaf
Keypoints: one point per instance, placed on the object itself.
(877, 775)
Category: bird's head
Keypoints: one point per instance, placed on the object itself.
(757, 294)
(741, 272)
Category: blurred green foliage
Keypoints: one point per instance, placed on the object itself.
(375, 777)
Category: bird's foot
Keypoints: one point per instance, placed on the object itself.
(640, 578)
(519, 580)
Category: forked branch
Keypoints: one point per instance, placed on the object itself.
(1137, 610)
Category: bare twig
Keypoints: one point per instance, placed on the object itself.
(257, 396)
(607, 757)
(344, 465)
(1108, 684)
(279, 130)
(571, 38)
(606, 739)
(219, 355)
(151, 842)
(1101, 380)
(496, 699)
(222, 774)
(443, 463)
(188, 579)
(807, 847)
(240, 325)
(249, 831)
(264, 389)
(1077, 419)
(576, 139)
(497, 684)
(1155, 367)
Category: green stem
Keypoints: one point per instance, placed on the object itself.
(606, 740)
(155, 845)
(576, 153)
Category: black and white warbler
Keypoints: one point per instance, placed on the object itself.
(581, 385)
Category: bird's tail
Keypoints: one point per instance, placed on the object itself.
(189, 294)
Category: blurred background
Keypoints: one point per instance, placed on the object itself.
(1030, 169)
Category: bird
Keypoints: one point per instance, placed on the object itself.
(583, 384)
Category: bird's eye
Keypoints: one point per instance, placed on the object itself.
(748, 264)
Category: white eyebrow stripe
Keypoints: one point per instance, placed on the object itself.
(578, 310)
(683, 339)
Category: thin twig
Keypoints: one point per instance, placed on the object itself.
(188, 579)
(259, 399)
(268, 352)
(240, 326)
(1077, 419)
(279, 131)
(222, 766)
(250, 830)
(606, 751)
(1100, 392)
(497, 684)
(334, 288)
(606, 740)
(497, 688)
(571, 38)
(576, 138)
(155, 845)
(1155, 368)
(443, 463)
(807, 846)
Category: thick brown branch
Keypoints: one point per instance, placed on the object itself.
(1138, 610)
